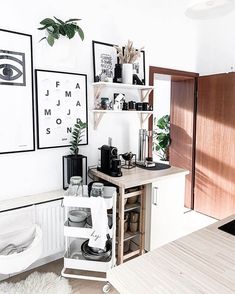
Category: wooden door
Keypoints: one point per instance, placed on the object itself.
(215, 146)
(182, 130)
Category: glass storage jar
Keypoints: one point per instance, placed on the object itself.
(75, 187)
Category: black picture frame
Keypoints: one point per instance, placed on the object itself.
(141, 62)
(107, 49)
(59, 98)
(17, 129)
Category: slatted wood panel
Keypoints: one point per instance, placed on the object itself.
(182, 130)
(215, 146)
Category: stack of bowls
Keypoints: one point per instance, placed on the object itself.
(77, 218)
(93, 253)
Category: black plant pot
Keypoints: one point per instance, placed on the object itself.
(74, 165)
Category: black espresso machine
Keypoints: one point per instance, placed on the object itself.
(109, 163)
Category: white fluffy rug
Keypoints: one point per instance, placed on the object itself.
(38, 283)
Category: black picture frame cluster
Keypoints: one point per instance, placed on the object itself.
(7, 79)
(105, 54)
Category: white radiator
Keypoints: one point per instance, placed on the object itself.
(50, 217)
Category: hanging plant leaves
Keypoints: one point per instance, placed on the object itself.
(56, 28)
(80, 32)
(50, 40)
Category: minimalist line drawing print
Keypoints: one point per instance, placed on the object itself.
(12, 68)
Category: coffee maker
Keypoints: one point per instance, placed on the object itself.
(110, 164)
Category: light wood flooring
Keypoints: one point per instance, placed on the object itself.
(79, 286)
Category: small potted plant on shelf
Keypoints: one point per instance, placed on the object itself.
(57, 28)
(75, 163)
(161, 137)
(127, 56)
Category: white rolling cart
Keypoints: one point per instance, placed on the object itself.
(78, 235)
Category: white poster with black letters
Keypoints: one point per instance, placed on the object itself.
(16, 92)
(61, 101)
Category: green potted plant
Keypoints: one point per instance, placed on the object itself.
(57, 28)
(75, 164)
(161, 137)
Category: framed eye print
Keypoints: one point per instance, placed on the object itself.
(61, 99)
(16, 93)
(104, 60)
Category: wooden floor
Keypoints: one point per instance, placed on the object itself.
(79, 286)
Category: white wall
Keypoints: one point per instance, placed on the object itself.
(169, 39)
(216, 45)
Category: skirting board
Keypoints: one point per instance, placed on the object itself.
(36, 264)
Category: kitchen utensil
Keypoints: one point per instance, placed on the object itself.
(88, 253)
(133, 227)
(134, 217)
(75, 224)
(145, 106)
(126, 246)
(125, 225)
(124, 106)
(139, 106)
(105, 103)
(77, 216)
(110, 164)
(132, 199)
(97, 189)
(75, 187)
(131, 105)
(130, 160)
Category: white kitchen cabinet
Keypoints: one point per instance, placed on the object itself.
(164, 211)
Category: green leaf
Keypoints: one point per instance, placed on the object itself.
(47, 22)
(80, 32)
(70, 32)
(42, 39)
(72, 19)
(44, 27)
(59, 20)
(50, 40)
(62, 31)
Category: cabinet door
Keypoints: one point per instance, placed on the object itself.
(164, 210)
(182, 130)
(215, 151)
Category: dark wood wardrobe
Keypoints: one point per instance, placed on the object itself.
(203, 138)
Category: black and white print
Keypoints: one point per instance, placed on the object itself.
(61, 101)
(104, 60)
(12, 68)
(16, 93)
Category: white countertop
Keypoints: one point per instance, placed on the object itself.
(202, 262)
(18, 202)
(138, 176)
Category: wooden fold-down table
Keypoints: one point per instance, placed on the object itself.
(202, 262)
(135, 177)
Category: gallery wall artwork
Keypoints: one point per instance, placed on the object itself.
(16, 92)
(61, 101)
(104, 60)
(139, 67)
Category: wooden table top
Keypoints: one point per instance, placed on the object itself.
(202, 262)
(138, 176)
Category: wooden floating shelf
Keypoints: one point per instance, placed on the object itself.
(122, 111)
(98, 115)
(121, 85)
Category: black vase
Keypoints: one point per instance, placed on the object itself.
(117, 73)
(74, 165)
